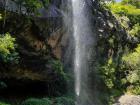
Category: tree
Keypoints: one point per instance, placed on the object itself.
(31, 6)
(131, 2)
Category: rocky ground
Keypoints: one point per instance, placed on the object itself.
(128, 100)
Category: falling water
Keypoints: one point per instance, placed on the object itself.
(83, 39)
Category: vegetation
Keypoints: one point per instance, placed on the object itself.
(31, 6)
(47, 101)
(132, 12)
(132, 67)
(119, 73)
(33, 101)
(64, 101)
(8, 48)
(2, 103)
(131, 2)
(57, 66)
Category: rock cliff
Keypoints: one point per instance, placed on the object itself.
(43, 40)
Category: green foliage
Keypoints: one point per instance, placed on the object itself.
(110, 81)
(107, 72)
(64, 101)
(134, 89)
(47, 101)
(31, 6)
(131, 2)
(132, 59)
(6, 44)
(135, 31)
(130, 71)
(132, 62)
(2, 103)
(57, 66)
(124, 21)
(124, 9)
(125, 75)
(0, 16)
(34, 101)
(8, 48)
(132, 12)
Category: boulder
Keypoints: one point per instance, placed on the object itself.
(128, 100)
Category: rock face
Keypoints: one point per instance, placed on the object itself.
(42, 40)
(128, 100)
(51, 11)
(55, 42)
(39, 47)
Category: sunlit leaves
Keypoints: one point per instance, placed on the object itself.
(124, 72)
(132, 2)
(135, 30)
(6, 44)
(132, 62)
(128, 15)
(0, 16)
(124, 9)
(133, 58)
(8, 48)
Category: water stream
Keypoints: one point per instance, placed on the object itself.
(83, 40)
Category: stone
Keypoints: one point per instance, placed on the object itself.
(55, 42)
(128, 100)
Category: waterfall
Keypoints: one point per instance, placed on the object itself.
(81, 33)
(83, 40)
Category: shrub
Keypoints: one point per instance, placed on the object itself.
(131, 63)
(108, 73)
(64, 101)
(134, 89)
(6, 44)
(130, 11)
(132, 2)
(135, 31)
(46, 101)
(8, 48)
(57, 65)
(33, 101)
(2, 103)
(124, 9)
